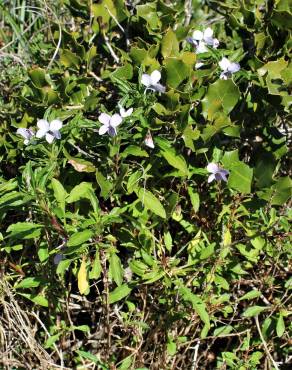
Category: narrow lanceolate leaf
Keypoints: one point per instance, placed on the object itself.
(116, 269)
(151, 202)
(175, 160)
(253, 311)
(280, 327)
(83, 284)
(60, 193)
(79, 238)
(24, 230)
(197, 303)
(119, 293)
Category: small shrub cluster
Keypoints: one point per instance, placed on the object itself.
(144, 184)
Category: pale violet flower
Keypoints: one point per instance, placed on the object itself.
(125, 113)
(109, 123)
(201, 40)
(149, 141)
(58, 258)
(26, 133)
(228, 68)
(50, 131)
(217, 173)
(151, 81)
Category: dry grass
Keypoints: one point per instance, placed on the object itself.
(19, 347)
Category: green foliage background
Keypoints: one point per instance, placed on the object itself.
(127, 256)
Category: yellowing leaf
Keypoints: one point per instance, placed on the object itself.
(227, 238)
(83, 284)
(82, 166)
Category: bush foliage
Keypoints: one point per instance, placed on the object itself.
(115, 249)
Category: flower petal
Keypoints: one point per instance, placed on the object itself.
(43, 124)
(224, 64)
(159, 88)
(112, 131)
(234, 67)
(208, 33)
(201, 48)
(146, 80)
(223, 176)
(155, 77)
(56, 125)
(225, 75)
(211, 178)
(50, 138)
(56, 134)
(104, 118)
(215, 43)
(24, 132)
(199, 65)
(198, 35)
(41, 133)
(149, 141)
(126, 113)
(213, 168)
(116, 120)
(103, 129)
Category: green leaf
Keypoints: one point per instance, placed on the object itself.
(197, 303)
(96, 267)
(280, 327)
(119, 293)
(171, 348)
(51, 340)
(30, 282)
(125, 72)
(59, 193)
(169, 45)
(80, 191)
(105, 185)
(92, 358)
(83, 191)
(37, 299)
(116, 269)
(38, 77)
(151, 202)
(175, 160)
(69, 59)
(251, 295)
(135, 151)
(282, 191)
(195, 199)
(240, 178)
(24, 230)
(79, 238)
(176, 71)
(207, 252)
(221, 96)
(149, 13)
(254, 311)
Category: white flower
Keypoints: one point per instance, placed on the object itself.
(49, 130)
(125, 113)
(149, 141)
(228, 68)
(26, 133)
(151, 81)
(217, 173)
(203, 39)
(199, 65)
(109, 123)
